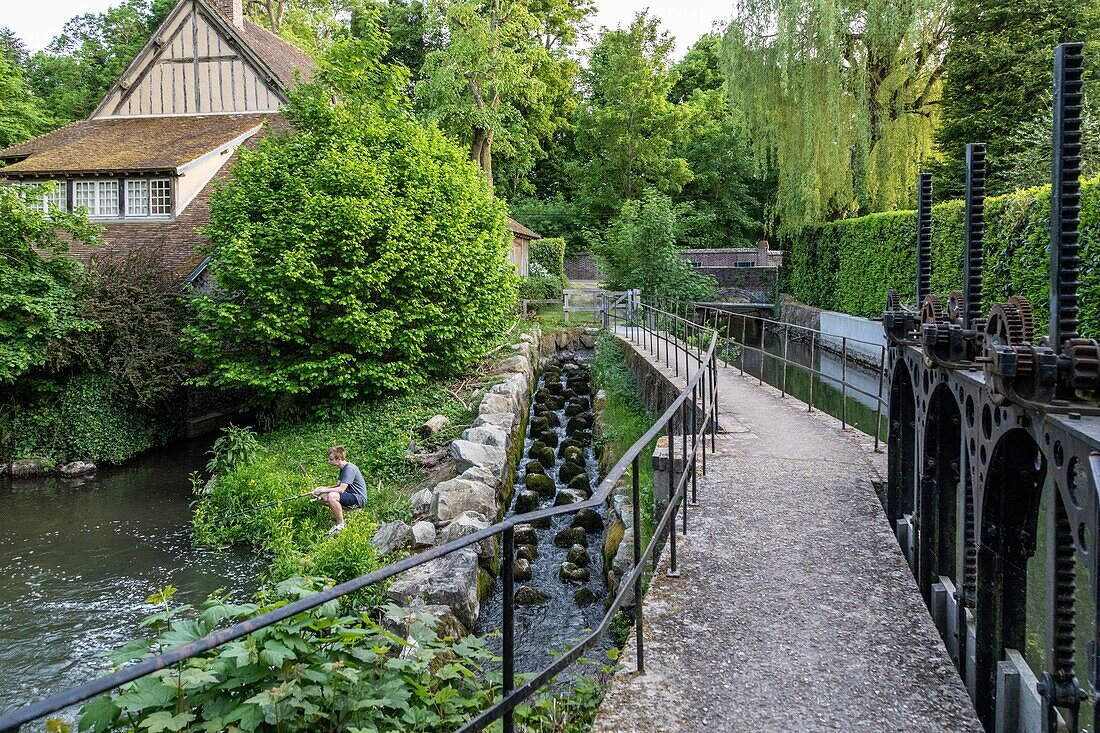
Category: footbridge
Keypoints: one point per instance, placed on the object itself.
(802, 578)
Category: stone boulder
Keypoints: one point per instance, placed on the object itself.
(570, 471)
(76, 468)
(421, 502)
(449, 581)
(515, 364)
(468, 455)
(533, 467)
(513, 388)
(29, 467)
(458, 495)
(525, 534)
(573, 574)
(521, 570)
(600, 401)
(585, 597)
(493, 403)
(568, 496)
(530, 553)
(390, 537)
(588, 341)
(569, 537)
(527, 501)
(483, 475)
(541, 484)
(589, 520)
(528, 596)
(423, 534)
(399, 621)
(466, 524)
(578, 555)
(487, 435)
(581, 483)
(544, 455)
(506, 421)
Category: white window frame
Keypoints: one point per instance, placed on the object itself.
(97, 210)
(157, 193)
(59, 197)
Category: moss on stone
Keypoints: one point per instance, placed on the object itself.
(611, 541)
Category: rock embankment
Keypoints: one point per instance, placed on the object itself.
(452, 588)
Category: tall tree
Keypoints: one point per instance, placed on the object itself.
(414, 31)
(699, 70)
(92, 51)
(840, 98)
(998, 69)
(21, 113)
(494, 86)
(627, 127)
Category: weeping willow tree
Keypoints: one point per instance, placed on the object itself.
(840, 98)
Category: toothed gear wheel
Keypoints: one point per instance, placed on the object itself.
(1027, 317)
(893, 301)
(1085, 355)
(932, 312)
(956, 307)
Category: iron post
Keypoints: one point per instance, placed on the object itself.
(1065, 193)
(974, 233)
(924, 237)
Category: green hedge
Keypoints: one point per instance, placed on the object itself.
(549, 253)
(849, 266)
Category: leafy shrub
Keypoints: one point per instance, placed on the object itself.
(96, 426)
(549, 254)
(235, 448)
(640, 252)
(360, 254)
(319, 671)
(38, 309)
(851, 265)
(540, 287)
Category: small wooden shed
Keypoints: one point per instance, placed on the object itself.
(520, 256)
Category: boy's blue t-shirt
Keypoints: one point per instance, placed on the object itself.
(351, 476)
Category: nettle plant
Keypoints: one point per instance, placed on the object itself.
(322, 670)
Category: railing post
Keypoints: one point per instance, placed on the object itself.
(695, 447)
(878, 409)
(843, 382)
(786, 342)
(704, 393)
(509, 624)
(762, 351)
(813, 342)
(714, 402)
(744, 338)
(684, 420)
(636, 493)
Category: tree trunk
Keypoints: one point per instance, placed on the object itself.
(481, 152)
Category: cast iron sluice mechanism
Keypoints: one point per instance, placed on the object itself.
(983, 417)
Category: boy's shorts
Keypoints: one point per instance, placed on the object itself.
(349, 499)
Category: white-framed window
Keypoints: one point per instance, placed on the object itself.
(148, 197)
(100, 198)
(137, 197)
(56, 197)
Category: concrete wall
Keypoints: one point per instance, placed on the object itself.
(583, 266)
(865, 336)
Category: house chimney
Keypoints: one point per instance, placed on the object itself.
(233, 10)
(762, 248)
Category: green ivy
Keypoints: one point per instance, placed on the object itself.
(850, 266)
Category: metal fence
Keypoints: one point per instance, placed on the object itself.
(692, 415)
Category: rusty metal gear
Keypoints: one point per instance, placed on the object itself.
(1027, 317)
(893, 301)
(956, 307)
(932, 313)
(1084, 354)
(1005, 325)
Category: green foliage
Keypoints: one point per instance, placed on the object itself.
(998, 64)
(318, 671)
(640, 252)
(840, 99)
(293, 460)
(559, 217)
(22, 115)
(549, 254)
(95, 425)
(627, 128)
(624, 419)
(38, 308)
(722, 205)
(361, 254)
(78, 67)
(700, 70)
(849, 266)
(540, 287)
(235, 448)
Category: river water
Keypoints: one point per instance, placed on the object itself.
(78, 558)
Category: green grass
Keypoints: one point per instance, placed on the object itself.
(292, 460)
(552, 315)
(625, 419)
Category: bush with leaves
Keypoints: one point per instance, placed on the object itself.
(320, 670)
(549, 255)
(360, 254)
(640, 252)
(39, 309)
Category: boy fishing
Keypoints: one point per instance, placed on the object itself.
(350, 489)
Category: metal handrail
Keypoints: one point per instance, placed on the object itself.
(701, 383)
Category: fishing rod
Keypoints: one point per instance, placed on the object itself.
(277, 501)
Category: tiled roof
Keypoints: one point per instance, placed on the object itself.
(284, 59)
(126, 144)
(516, 228)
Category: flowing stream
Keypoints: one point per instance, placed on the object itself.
(568, 608)
(79, 557)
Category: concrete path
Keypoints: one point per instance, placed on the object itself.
(795, 610)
